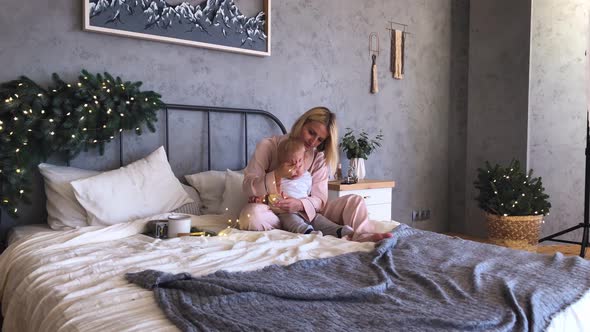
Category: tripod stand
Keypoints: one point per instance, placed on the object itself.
(585, 225)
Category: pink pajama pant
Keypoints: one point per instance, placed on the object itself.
(347, 210)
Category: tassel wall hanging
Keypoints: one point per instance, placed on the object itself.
(373, 52)
(398, 41)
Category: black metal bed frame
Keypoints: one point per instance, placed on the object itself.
(207, 109)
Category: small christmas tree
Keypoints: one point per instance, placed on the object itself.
(509, 191)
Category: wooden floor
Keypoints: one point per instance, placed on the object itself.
(566, 249)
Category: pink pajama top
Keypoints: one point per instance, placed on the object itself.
(259, 175)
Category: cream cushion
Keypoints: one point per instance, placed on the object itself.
(234, 198)
(210, 185)
(63, 210)
(141, 189)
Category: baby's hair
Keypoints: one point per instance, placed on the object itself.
(288, 147)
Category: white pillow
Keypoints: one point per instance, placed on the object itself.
(63, 210)
(138, 190)
(210, 185)
(234, 198)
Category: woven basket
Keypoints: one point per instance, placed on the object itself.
(517, 232)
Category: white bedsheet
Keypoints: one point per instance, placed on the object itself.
(74, 280)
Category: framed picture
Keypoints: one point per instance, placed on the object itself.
(214, 24)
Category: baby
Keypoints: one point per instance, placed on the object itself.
(299, 186)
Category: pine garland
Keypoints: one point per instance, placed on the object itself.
(509, 191)
(66, 118)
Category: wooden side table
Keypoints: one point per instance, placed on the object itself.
(376, 193)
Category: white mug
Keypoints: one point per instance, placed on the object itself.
(178, 223)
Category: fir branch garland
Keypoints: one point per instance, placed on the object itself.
(66, 118)
(510, 191)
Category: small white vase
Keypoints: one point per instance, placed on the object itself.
(358, 164)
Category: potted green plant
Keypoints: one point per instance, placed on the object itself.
(358, 149)
(515, 203)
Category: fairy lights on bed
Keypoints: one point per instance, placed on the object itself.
(66, 118)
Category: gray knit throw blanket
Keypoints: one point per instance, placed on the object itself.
(415, 281)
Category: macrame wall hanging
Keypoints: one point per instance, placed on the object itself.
(398, 43)
(374, 52)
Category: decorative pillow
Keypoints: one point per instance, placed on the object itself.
(193, 208)
(210, 185)
(138, 190)
(234, 198)
(63, 210)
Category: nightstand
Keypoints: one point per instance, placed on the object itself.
(376, 193)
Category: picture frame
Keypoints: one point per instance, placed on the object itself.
(192, 23)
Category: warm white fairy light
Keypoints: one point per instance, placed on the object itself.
(21, 191)
(94, 141)
(52, 133)
(109, 111)
(127, 102)
(79, 84)
(18, 170)
(122, 115)
(42, 111)
(16, 95)
(50, 120)
(84, 129)
(94, 97)
(15, 118)
(96, 102)
(90, 110)
(68, 113)
(40, 95)
(69, 85)
(17, 150)
(20, 84)
(81, 118)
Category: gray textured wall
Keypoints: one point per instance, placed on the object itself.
(498, 93)
(557, 121)
(319, 57)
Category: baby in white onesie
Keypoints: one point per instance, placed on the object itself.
(300, 187)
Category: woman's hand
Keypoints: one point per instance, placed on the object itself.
(289, 205)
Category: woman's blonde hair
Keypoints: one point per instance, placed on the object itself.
(330, 145)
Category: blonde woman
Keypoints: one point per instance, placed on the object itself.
(318, 131)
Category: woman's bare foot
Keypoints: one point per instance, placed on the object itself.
(373, 237)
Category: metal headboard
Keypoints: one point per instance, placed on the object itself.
(208, 110)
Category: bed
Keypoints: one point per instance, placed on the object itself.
(111, 275)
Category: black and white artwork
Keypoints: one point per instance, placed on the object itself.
(215, 24)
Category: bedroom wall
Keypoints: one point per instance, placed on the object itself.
(557, 119)
(497, 111)
(319, 57)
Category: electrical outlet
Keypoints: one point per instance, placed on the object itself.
(420, 215)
